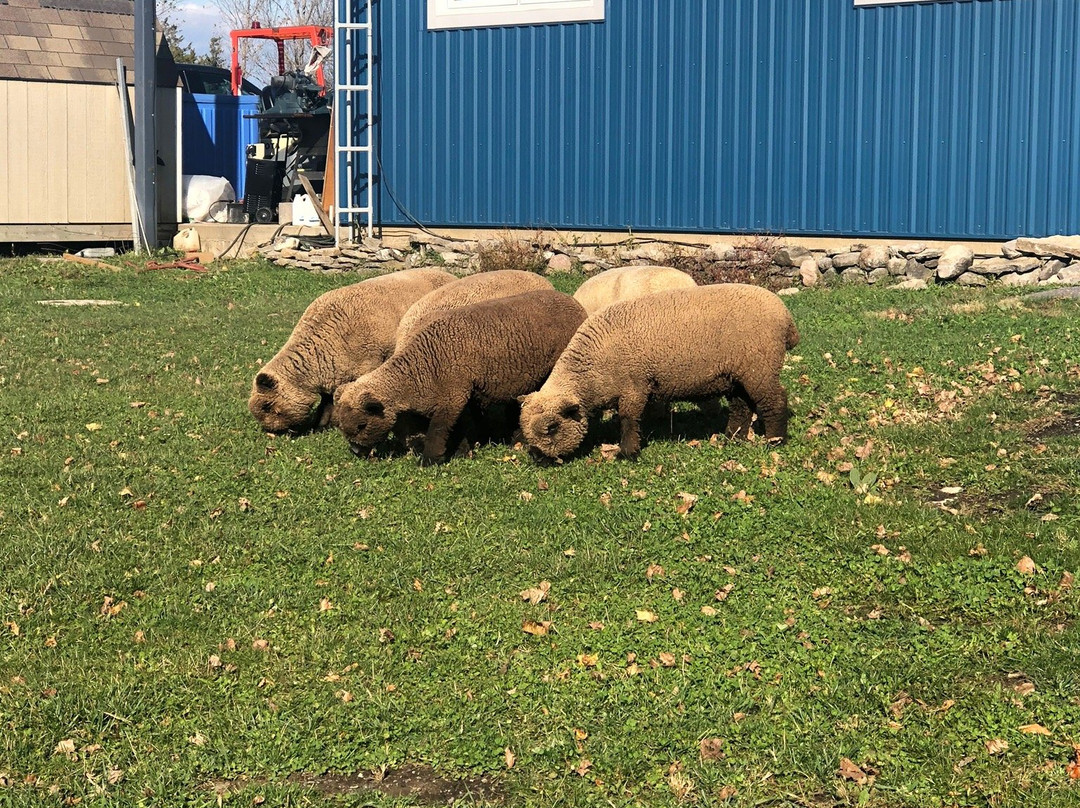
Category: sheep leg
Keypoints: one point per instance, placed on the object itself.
(770, 404)
(740, 411)
(631, 409)
(438, 433)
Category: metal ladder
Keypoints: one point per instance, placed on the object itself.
(354, 129)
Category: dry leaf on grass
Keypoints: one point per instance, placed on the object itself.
(1025, 566)
(711, 748)
(509, 757)
(996, 746)
(686, 503)
(849, 771)
(645, 616)
(1035, 729)
(537, 593)
(654, 570)
(537, 629)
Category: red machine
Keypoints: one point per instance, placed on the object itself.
(317, 35)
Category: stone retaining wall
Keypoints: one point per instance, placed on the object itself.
(1022, 262)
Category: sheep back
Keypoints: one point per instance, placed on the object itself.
(628, 283)
(464, 292)
(341, 335)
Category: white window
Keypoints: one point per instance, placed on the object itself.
(488, 13)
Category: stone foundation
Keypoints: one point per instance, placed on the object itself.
(767, 261)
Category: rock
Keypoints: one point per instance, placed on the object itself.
(560, 263)
(829, 276)
(721, 251)
(993, 266)
(653, 253)
(1008, 249)
(911, 248)
(1020, 279)
(845, 260)
(928, 255)
(791, 256)
(899, 266)
(954, 262)
(971, 279)
(853, 275)
(1071, 274)
(1052, 247)
(874, 257)
(911, 283)
(789, 291)
(1065, 292)
(824, 262)
(453, 258)
(1050, 269)
(876, 274)
(809, 273)
(919, 271)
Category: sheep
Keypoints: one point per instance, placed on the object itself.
(627, 283)
(462, 292)
(343, 334)
(683, 344)
(481, 354)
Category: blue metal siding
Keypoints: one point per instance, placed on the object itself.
(216, 134)
(948, 119)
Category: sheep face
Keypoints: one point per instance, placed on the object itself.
(363, 418)
(280, 406)
(553, 425)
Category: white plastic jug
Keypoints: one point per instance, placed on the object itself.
(303, 211)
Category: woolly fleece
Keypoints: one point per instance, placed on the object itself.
(685, 344)
(465, 291)
(341, 335)
(483, 354)
(629, 283)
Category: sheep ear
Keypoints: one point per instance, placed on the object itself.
(265, 382)
(523, 399)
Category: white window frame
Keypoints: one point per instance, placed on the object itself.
(448, 14)
(890, 2)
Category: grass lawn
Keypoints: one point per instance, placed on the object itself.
(879, 613)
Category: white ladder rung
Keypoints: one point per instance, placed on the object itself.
(355, 88)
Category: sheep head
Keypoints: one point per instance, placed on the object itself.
(281, 406)
(553, 424)
(363, 417)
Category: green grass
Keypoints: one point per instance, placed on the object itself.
(168, 568)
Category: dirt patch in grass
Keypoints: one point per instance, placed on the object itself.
(992, 503)
(1065, 423)
(420, 784)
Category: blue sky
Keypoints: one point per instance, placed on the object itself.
(198, 21)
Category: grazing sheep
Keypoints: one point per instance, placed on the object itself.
(342, 335)
(685, 344)
(462, 292)
(481, 354)
(627, 283)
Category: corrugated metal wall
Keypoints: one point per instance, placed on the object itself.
(216, 133)
(949, 119)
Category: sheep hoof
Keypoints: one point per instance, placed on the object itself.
(427, 460)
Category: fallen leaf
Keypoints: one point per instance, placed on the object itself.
(260, 645)
(1035, 729)
(666, 659)
(1025, 688)
(711, 748)
(1066, 582)
(509, 757)
(709, 611)
(996, 746)
(537, 629)
(654, 570)
(609, 451)
(525, 496)
(325, 605)
(583, 766)
(645, 616)
(724, 591)
(686, 503)
(588, 660)
(880, 549)
(849, 771)
(537, 593)
(677, 593)
(1025, 566)
(727, 792)
(114, 776)
(65, 747)
(94, 427)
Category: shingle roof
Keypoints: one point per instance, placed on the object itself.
(65, 40)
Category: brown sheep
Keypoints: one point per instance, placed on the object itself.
(627, 283)
(341, 335)
(462, 292)
(481, 354)
(685, 344)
